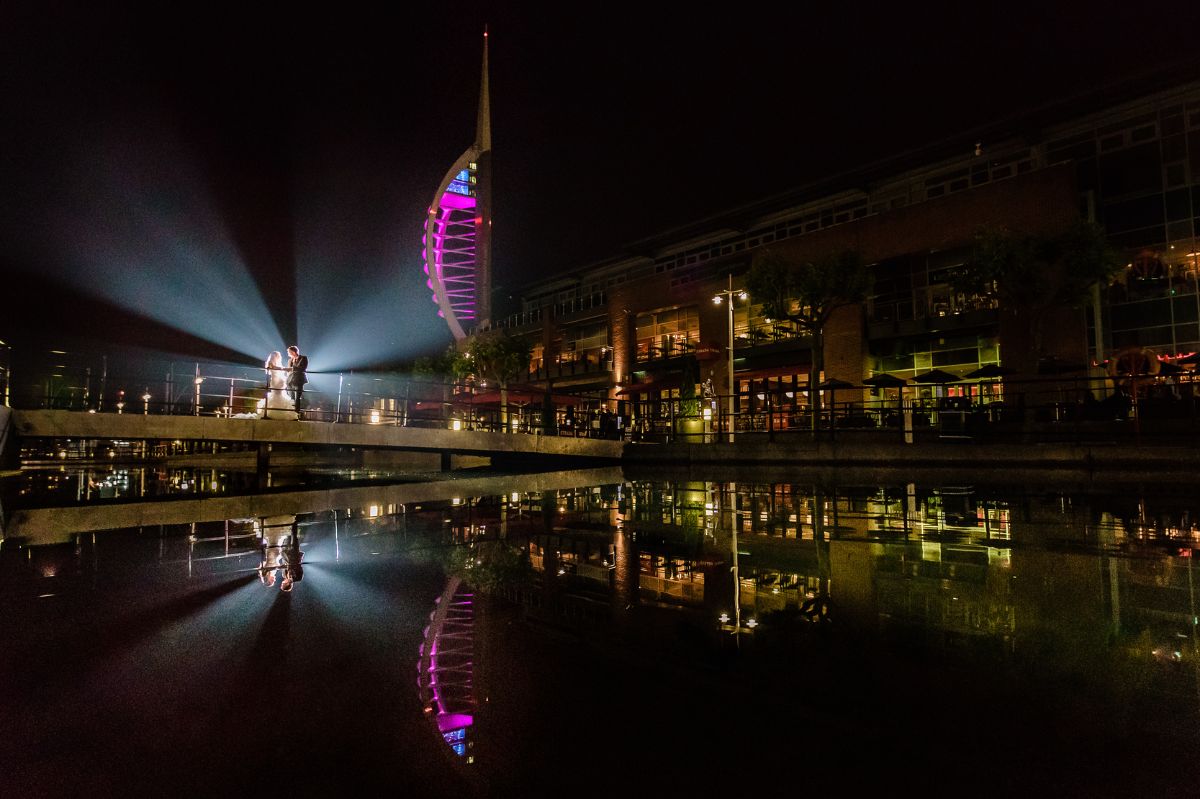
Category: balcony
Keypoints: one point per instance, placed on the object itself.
(667, 350)
(767, 335)
(571, 365)
(939, 319)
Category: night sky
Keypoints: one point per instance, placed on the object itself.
(207, 183)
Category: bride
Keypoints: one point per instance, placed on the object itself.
(278, 404)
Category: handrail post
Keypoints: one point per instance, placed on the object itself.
(338, 416)
(770, 406)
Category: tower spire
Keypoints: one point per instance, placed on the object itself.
(457, 247)
(483, 125)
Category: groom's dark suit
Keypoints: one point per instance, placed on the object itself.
(297, 377)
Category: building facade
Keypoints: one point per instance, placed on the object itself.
(637, 326)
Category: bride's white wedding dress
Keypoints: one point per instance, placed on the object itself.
(279, 404)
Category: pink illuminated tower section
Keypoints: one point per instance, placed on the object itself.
(457, 240)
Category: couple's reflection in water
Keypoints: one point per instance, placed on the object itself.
(281, 555)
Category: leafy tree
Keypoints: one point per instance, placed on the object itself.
(1032, 275)
(441, 369)
(689, 404)
(807, 293)
(496, 357)
(489, 566)
(440, 366)
(425, 366)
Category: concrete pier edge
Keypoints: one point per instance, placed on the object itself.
(959, 454)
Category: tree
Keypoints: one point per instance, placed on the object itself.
(497, 357)
(1032, 275)
(807, 293)
(440, 366)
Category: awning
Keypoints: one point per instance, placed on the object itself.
(772, 371)
(521, 394)
(659, 384)
(431, 405)
(522, 397)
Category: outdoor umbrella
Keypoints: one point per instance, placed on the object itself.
(1168, 368)
(885, 380)
(937, 376)
(990, 371)
(831, 385)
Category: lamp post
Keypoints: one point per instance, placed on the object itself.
(737, 629)
(726, 296)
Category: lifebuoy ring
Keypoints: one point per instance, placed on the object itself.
(1147, 266)
(1132, 362)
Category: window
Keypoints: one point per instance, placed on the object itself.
(667, 333)
(1144, 133)
(1136, 170)
(586, 343)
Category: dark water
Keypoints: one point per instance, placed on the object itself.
(880, 634)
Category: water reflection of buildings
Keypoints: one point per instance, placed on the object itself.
(1077, 578)
(679, 535)
(1054, 577)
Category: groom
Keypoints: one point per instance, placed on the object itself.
(297, 377)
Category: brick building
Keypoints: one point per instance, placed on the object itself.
(634, 326)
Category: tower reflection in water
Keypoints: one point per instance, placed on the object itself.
(1085, 587)
(1090, 585)
(444, 668)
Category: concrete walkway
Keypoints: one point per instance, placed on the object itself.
(58, 525)
(136, 427)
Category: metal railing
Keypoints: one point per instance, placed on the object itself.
(1053, 409)
(1080, 411)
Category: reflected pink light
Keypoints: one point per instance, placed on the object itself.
(454, 721)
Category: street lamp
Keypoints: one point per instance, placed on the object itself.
(726, 296)
(196, 409)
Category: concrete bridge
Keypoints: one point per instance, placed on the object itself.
(137, 427)
(36, 526)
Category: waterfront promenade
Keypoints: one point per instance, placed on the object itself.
(1111, 449)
